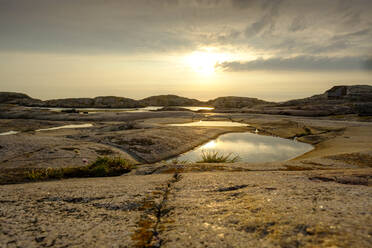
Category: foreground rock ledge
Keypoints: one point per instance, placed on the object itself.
(320, 199)
(218, 209)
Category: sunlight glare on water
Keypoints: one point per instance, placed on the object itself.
(210, 124)
(250, 148)
(66, 126)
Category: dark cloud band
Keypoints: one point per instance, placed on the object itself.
(268, 27)
(300, 63)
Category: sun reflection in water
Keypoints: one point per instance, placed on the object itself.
(250, 148)
(210, 145)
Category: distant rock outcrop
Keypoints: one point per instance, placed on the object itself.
(173, 108)
(97, 102)
(70, 103)
(339, 100)
(19, 99)
(235, 102)
(337, 95)
(355, 93)
(115, 102)
(170, 100)
(9, 97)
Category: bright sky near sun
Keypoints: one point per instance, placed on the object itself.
(273, 50)
(206, 60)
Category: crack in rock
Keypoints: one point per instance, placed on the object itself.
(232, 188)
(155, 208)
(130, 206)
(72, 199)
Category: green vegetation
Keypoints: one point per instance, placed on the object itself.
(307, 131)
(102, 167)
(216, 157)
(176, 161)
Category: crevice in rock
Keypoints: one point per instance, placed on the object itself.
(154, 209)
(351, 180)
(129, 206)
(72, 199)
(134, 155)
(232, 188)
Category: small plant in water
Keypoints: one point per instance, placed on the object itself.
(216, 157)
(176, 161)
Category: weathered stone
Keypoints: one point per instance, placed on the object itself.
(115, 102)
(7, 97)
(70, 103)
(172, 108)
(170, 100)
(235, 102)
(355, 93)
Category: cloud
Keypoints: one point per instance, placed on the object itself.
(84, 27)
(267, 22)
(266, 27)
(299, 63)
(368, 64)
(242, 4)
(298, 24)
(354, 34)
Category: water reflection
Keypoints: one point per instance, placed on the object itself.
(210, 124)
(66, 126)
(250, 148)
(97, 110)
(8, 133)
(198, 108)
(53, 128)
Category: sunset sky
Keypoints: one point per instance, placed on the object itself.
(269, 49)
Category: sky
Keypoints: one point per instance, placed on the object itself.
(269, 49)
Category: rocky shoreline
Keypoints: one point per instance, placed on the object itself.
(321, 198)
(339, 100)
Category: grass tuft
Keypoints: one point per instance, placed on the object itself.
(102, 167)
(216, 157)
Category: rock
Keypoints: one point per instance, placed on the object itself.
(8, 97)
(170, 100)
(339, 100)
(363, 109)
(70, 103)
(336, 92)
(115, 102)
(336, 95)
(170, 108)
(29, 102)
(70, 111)
(235, 102)
(97, 102)
(19, 99)
(355, 93)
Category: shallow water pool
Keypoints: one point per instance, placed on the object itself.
(66, 126)
(8, 133)
(53, 128)
(250, 148)
(98, 110)
(210, 124)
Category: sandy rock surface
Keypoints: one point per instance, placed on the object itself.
(320, 199)
(79, 213)
(270, 209)
(217, 209)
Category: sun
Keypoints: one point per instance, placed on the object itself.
(210, 145)
(204, 62)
